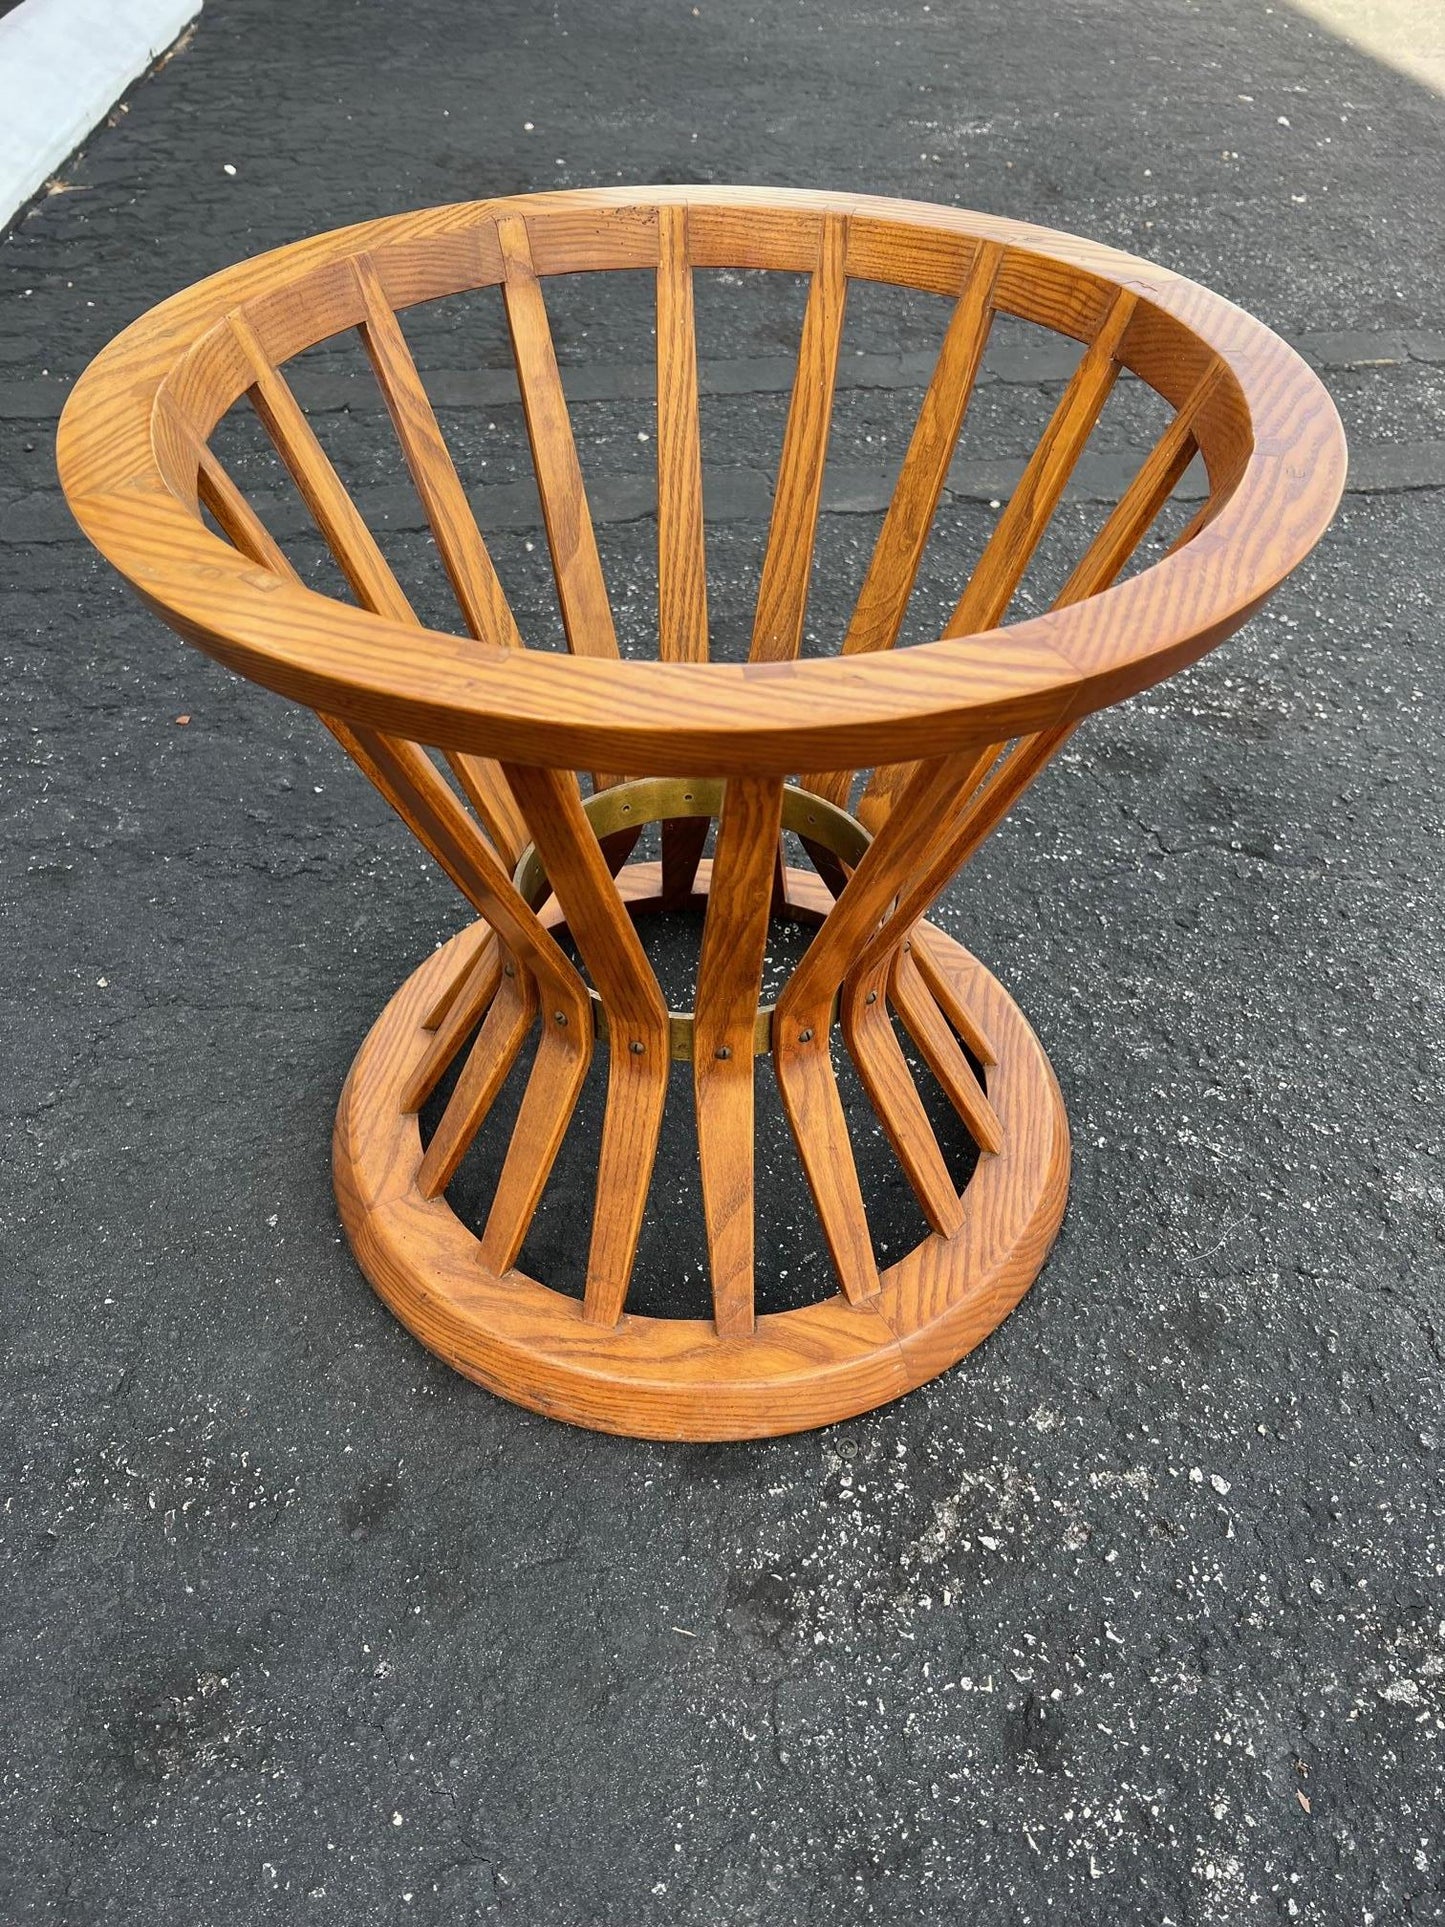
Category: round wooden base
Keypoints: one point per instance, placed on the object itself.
(674, 1378)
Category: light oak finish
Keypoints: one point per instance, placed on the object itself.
(476, 741)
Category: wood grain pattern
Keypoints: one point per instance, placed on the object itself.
(788, 560)
(454, 1020)
(485, 1071)
(638, 1052)
(729, 976)
(581, 589)
(1007, 553)
(681, 563)
(459, 542)
(949, 735)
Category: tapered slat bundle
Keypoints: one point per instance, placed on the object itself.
(681, 563)
(788, 560)
(491, 1057)
(893, 569)
(921, 1017)
(802, 1018)
(470, 996)
(355, 549)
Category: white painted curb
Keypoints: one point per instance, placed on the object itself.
(63, 66)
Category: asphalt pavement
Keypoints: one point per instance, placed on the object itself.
(1134, 1617)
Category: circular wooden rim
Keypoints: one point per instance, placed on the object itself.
(121, 479)
(674, 1378)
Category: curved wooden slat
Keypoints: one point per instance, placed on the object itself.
(414, 787)
(459, 541)
(1134, 513)
(875, 1050)
(468, 997)
(939, 1049)
(559, 1070)
(576, 564)
(1016, 534)
(788, 559)
(355, 548)
(681, 558)
(1018, 531)
(975, 815)
(237, 519)
(893, 570)
(814, 1109)
(636, 1020)
(483, 1075)
(802, 1018)
(734, 943)
(926, 945)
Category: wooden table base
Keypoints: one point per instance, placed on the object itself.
(528, 774)
(676, 1378)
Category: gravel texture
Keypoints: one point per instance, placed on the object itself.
(1136, 1616)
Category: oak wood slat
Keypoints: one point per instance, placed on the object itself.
(922, 1018)
(1134, 513)
(576, 564)
(474, 581)
(874, 1048)
(636, 1021)
(788, 559)
(471, 992)
(734, 942)
(681, 561)
(357, 552)
(945, 993)
(320, 487)
(1027, 513)
(408, 780)
(491, 1057)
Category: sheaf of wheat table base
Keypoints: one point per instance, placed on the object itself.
(842, 789)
